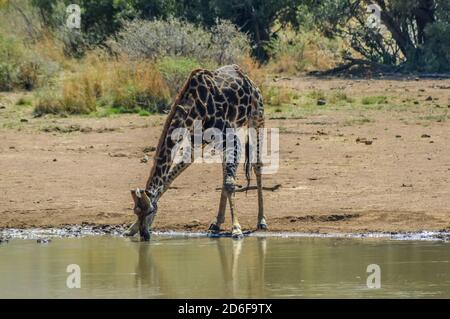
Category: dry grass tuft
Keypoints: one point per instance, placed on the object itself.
(129, 86)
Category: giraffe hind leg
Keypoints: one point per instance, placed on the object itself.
(261, 224)
(257, 167)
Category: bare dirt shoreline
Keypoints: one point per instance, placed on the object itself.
(79, 170)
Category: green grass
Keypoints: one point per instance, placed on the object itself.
(110, 111)
(436, 117)
(282, 102)
(289, 103)
(24, 102)
(371, 100)
(358, 121)
(144, 113)
(316, 94)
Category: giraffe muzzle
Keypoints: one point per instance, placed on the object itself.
(145, 212)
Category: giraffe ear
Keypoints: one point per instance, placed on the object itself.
(181, 109)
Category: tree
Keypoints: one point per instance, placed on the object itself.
(258, 18)
(416, 35)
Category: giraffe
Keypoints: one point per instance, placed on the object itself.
(222, 99)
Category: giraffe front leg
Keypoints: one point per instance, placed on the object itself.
(229, 186)
(231, 162)
(214, 228)
(132, 230)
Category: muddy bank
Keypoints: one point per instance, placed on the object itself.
(117, 230)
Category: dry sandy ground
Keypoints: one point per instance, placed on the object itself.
(330, 182)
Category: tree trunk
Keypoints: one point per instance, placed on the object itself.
(424, 15)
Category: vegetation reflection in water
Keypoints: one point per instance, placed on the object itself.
(224, 268)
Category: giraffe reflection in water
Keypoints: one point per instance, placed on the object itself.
(233, 267)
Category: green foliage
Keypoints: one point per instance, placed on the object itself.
(133, 99)
(175, 70)
(10, 56)
(258, 18)
(413, 33)
(22, 69)
(103, 18)
(24, 102)
(293, 52)
(379, 99)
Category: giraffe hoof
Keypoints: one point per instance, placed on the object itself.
(237, 236)
(262, 227)
(237, 233)
(145, 235)
(213, 229)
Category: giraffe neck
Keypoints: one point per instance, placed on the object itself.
(163, 161)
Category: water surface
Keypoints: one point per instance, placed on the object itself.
(254, 267)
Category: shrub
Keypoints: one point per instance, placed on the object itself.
(22, 69)
(278, 96)
(77, 97)
(127, 86)
(175, 70)
(49, 102)
(10, 57)
(7, 77)
(139, 86)
(254, 71)
(222, 44)
(293, 52)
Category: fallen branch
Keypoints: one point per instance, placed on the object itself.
(356, 62)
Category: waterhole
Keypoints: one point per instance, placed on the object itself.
(255, 267)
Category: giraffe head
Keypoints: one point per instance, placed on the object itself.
(145, 211)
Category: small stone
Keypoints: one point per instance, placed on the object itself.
(144, 159)
(86, 129)
(149, 149)
(364, 141)
(23, 120)
(398, 136)
(117, 154)
(321, 102)
(43, 240)
(429, 98)
(425, 136)
(55, 160)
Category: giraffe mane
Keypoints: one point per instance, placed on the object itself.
(169, 118)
